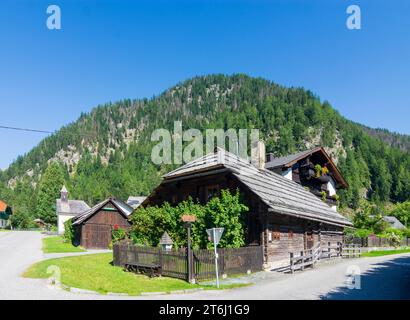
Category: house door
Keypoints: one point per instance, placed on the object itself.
(309, 241)
(97, 236)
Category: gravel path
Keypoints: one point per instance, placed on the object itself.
(385, 277)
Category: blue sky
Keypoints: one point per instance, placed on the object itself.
(109, 50)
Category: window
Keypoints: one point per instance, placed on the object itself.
(276, 235)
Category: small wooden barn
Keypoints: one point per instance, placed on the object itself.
(283, 216)
(93, 228)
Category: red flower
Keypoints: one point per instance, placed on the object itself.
(116, 226)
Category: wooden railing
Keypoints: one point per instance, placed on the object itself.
(308, 258)
(351, 251)
(332, 250)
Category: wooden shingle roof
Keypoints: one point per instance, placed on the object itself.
(281, 195)
(121, 206)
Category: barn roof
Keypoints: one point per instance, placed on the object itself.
(289, 160)
(281, 195)
(120, 205)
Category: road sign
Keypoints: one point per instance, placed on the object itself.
(215, 234)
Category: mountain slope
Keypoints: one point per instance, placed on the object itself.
(107, 152)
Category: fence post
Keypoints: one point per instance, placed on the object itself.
(291, 262)
(160, 261)
(329, 250)
(312, 258)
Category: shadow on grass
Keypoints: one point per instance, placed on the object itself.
(389, 280)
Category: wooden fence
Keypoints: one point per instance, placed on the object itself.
(373, 241)
(174, 263)
(308, 258)
(351, 251)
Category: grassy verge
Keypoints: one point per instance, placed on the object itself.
(57, 245)
(379, 253)
(96, 272)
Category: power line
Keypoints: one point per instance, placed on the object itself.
(44, 131)
(25, 129)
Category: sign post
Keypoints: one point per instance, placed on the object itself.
(215, 235)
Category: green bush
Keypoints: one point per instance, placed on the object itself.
(362, 233)
(406, 232)
(118, 234)
(226, 211)
(69, 234)
(388, 232)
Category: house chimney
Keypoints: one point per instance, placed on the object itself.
(258, 154)
(64, 194)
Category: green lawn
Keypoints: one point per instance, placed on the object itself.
(379, 253)
(96, 272)
(57, 245)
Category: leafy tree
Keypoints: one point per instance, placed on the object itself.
(228, 212)
(402, 212)
(49, 190)
(225, 211)
(369, 217)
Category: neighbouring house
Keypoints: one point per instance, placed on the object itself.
(93, 227)
(5, 213)
(135, 201)
(313, 169)
(394, 222)
(283, 216)
(67, 209)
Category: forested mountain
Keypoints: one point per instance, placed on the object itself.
(107, 151)
(397, 140)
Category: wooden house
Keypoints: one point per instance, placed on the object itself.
(5, 213)
(283, 216)
(313, 169)
(93, 228)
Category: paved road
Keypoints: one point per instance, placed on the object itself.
(18, 250)
(382, 278)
